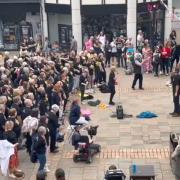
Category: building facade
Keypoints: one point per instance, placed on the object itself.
(60, 19)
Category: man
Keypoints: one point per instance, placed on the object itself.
(74, 45)
(31, 45)
(176, 92)
(111, 84)
(138, 71)
(53, 125)
(60, 174)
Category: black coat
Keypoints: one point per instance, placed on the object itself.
(53, 122)
(112, 81)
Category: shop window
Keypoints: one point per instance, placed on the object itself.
(10, 37)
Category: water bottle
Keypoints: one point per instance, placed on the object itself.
(134, 168)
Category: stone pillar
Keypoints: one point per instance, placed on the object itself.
(168, 21)
(44, 22)
(132, 20)
(76, 22)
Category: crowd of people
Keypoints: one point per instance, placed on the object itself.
(35, 86)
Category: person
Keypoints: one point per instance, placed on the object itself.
(31, 45)
(74, 45)
(2, 120)
(176, 92)
(10, 136)
(119, 45)
(111, 85)
(53, 125)
(147, 57)
(165, 56)
(140, 40)
(75, 114)
(156, 61)
(102, 40)
(47, 46)
(176, 161)
(44, 122)
(59, 174)
(113, 50)
(40, 147)
(138, 71)
(107, 49)
(83, 81)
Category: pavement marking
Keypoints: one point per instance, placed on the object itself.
(155, 153)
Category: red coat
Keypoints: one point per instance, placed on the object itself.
(166, 52)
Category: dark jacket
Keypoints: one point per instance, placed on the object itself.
(53, 122)
(82, 80)
(27, 111)
(137, 68)
(112, 81)
(10, 136)
(74, 114)
(2, 123)
(40, 145)
(55, 99)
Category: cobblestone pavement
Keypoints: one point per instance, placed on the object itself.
(124, 142)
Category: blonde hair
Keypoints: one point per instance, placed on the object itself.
(9, 125)
(42, 130)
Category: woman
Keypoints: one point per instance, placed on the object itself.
(10, 136)
(147, 58)
(44, 122)
(40, 147)
(75, 114)
(165, 57)
(111, 84)
(113, 50)
(13, 117)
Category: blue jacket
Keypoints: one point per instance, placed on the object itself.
(74, 114)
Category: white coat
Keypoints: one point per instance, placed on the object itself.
(6, 151)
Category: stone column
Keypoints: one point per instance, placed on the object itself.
(168, 21)
(44, 22)
(76, 22)
(132, 20)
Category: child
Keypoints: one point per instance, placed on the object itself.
(156, 61)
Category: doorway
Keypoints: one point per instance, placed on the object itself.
(65, 34)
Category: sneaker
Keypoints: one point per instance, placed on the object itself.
(55, 151)
(176, 115)
(111, 103)
(133, 88)
(12, 176)
(160, 72)
(46, 169)
(172, 113)
(167, 74)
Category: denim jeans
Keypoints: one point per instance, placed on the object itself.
(42, 161)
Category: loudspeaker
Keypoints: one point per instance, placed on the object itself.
(119, 112)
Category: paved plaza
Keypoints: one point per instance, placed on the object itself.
(124, 142)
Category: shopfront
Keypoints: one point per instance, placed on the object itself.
(151, 20)
(110, 19)
(13, 25)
